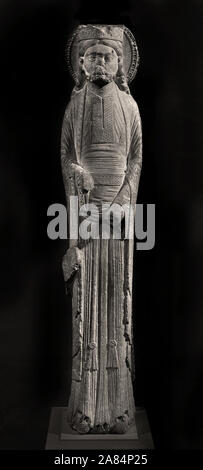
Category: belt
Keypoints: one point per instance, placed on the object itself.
(108, 180)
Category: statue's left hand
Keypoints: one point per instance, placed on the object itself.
(123, 196)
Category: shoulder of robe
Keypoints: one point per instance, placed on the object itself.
(74, 102)
(130, 104)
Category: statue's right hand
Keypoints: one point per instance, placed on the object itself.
(84, 180)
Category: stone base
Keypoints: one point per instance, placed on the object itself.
(62, 436)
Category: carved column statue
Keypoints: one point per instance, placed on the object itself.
(101, 156)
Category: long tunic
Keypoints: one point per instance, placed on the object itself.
(102, 391)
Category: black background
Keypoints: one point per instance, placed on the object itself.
(35, 330)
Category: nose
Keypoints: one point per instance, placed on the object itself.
(100, 60)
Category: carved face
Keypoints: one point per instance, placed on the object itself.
(100, 64)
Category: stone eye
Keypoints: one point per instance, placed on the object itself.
(109, 57)
(92, 57)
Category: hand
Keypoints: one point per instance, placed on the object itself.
(84, 180)
(123, 197)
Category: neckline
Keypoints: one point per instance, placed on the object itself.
(104, 91)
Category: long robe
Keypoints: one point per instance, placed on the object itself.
(102, 134)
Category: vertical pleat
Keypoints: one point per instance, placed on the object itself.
(102, 408)
(94, 323)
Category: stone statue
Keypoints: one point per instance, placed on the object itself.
(101, 156)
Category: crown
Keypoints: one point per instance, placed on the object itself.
(96, 31)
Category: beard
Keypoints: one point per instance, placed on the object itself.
(100, 76)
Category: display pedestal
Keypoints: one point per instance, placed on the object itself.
(62, 436)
